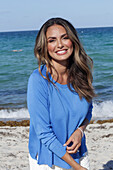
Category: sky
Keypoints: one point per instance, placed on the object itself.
(18, 15)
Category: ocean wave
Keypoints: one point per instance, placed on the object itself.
(14, 114)
(103, 110)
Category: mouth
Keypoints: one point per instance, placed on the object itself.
(61, 52)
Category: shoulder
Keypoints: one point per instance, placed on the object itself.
(37, 76)
(36, 73)
(36, 79)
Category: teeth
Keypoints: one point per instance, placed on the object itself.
(60, 52)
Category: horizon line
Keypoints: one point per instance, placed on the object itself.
(75, 28)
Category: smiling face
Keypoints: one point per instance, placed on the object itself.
(59, 45)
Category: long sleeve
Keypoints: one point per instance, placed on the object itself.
(37, 101)
(89, 114)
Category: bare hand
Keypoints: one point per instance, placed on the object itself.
(84, 169)
(81, 168)
(75, 138)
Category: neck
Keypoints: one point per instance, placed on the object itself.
(61, 67)
(62, 70)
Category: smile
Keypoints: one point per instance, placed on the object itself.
(61, 52)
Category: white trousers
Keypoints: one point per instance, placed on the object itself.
(84, 161)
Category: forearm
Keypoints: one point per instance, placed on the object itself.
(84, 124)
(67, 158)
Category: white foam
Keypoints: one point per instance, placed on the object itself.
(102, 110)
(14, 114)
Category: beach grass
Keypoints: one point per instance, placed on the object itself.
(27, 122)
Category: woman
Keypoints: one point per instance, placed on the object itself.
(59, 99)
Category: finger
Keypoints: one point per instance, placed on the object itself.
(72, 147)
(68, 142)
(75, 150)
(71, 151)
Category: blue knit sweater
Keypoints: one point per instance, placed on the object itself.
(55, 113)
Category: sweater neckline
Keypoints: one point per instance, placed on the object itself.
(55, 82)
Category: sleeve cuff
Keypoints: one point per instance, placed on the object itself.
(58, 148)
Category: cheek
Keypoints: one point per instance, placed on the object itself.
(69, 44)
(50, 47)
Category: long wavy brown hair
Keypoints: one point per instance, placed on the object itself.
(80, 64)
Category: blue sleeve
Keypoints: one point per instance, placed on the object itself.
(89, 114)
(37, 102)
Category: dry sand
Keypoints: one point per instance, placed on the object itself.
(14, 147)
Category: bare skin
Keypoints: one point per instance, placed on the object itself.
(76, 138)
(67, 158)
(60, 49)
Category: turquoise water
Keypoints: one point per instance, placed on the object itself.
(98, 43)
(17, 62)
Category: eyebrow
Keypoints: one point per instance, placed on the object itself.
(55, 37)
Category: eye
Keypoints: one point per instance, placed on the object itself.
(66, 37)
(50, 41)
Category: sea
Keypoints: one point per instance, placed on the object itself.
(17, 62)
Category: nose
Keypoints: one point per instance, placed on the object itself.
(59, 43)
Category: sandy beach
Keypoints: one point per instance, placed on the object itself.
(14, 147)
